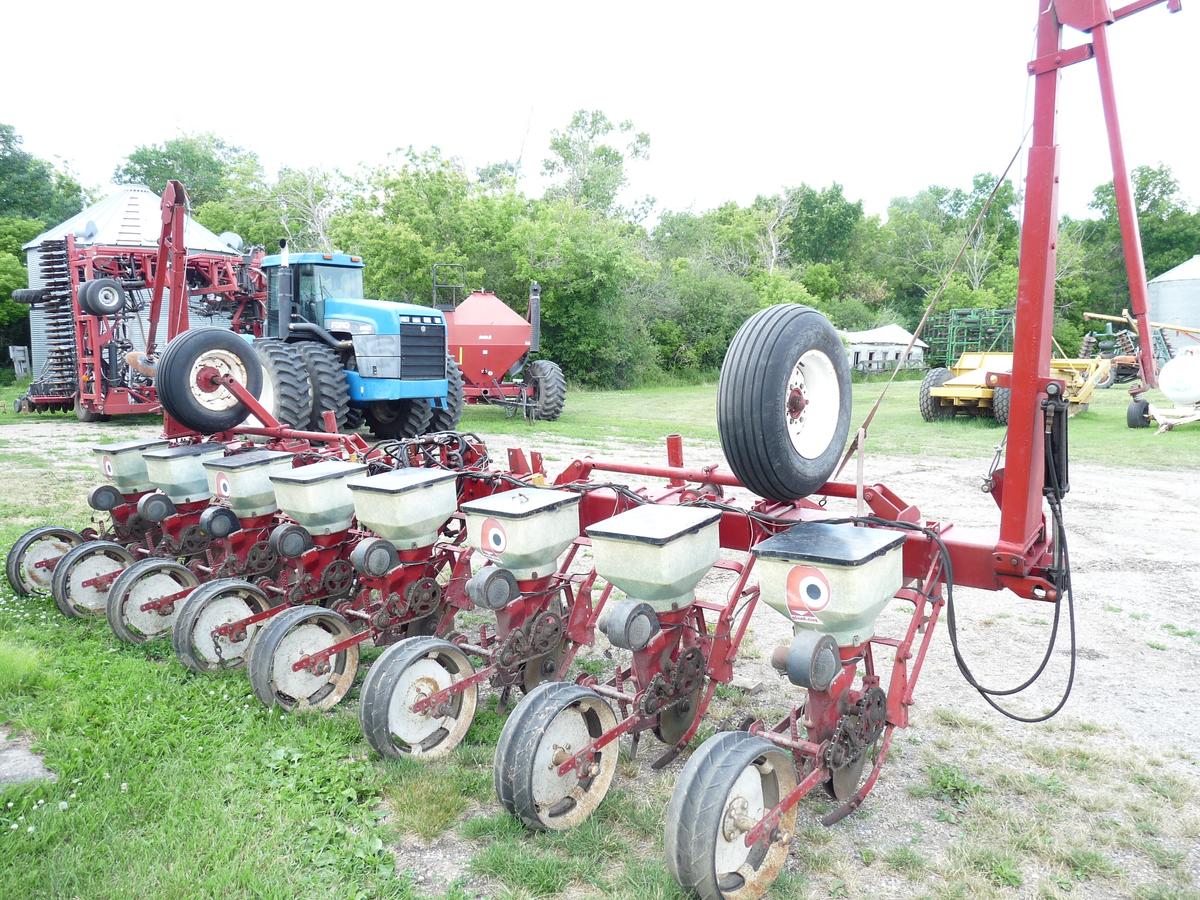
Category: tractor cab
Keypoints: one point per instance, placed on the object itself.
(306, 284)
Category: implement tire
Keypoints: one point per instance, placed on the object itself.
(549, 388)
(1001, 401)
(931, 407)
(783, 402)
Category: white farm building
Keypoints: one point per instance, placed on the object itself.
(882, 349)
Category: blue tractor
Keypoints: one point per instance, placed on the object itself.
(326, 347)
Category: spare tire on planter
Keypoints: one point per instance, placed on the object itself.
(192, 404)
(783, 402)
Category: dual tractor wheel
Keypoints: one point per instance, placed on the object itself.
(297, 382)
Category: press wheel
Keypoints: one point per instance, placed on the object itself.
(145, 581)
(287, 638)
(207, 608)
(34, 546)
(559, 720)
(405, 673)
(715, 804)
(84, 563)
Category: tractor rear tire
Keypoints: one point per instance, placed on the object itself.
(327, 382)
(549, 388)
(1137, 414)
(286, 392)
(394, 419)
(931, 407)
(446, 418)
(1001, 400)
(213, 411)
(783, 402)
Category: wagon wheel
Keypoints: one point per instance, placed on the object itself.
(144, 581)
(39, 545)
(559, 720)
(406, 672)
(74, 588)
(287, 638)
(723, 791)
(207, 608)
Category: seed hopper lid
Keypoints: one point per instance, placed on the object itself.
(835, 545)
(401, 481)
(521, 503)
(184, 450)
(654, 524)
(127, 446)
(318, 472)
(241, 461)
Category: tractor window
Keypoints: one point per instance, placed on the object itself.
(273, 302)
(330, 282)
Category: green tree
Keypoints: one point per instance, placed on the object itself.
(208, 166)
(588, 160)
(31, 188)
(822, 223)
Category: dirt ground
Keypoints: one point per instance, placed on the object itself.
(1123, 752)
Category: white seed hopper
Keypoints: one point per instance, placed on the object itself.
(179, 471)
(244, 480)
(407, 506)
(831, 578)
(657, 554)
(122, 464)
(524, 530)
(316, 496)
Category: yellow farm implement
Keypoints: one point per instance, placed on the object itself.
(965, 388)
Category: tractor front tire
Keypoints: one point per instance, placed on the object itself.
(327, 383)
(286, 392)
(783, 402)
(549, 388)
(446, 418)
(181, 395)
(394, 419)
(931, 407)
(1001, 401)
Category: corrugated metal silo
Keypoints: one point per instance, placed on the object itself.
(1175, 295)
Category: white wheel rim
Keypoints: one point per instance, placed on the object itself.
(566, 734)
(93, 598)
(36, 578)
(218, 611)
(812, 404)
(153, 585)
(304, 639)
(266, 396)
(106, 296)
(424, 677)
(225, 363)
(745, 800)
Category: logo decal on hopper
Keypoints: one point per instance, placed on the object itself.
(807, 592)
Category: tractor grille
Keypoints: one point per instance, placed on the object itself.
(422, 351)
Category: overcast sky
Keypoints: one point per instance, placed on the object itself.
(739, 98)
